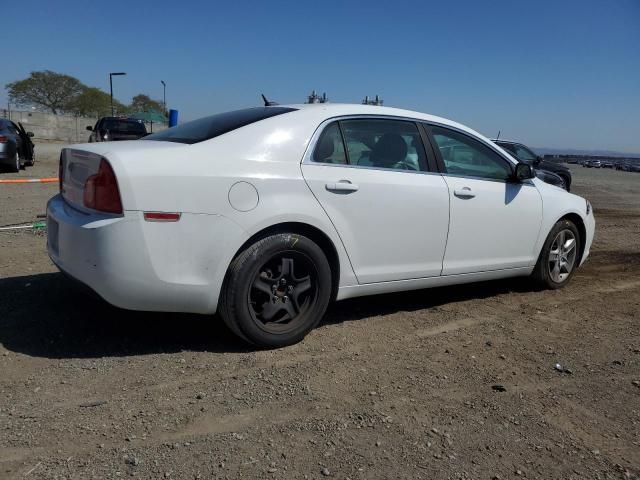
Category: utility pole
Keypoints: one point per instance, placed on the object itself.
(164, 96)
(111, 87)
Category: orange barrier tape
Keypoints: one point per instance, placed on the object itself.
(29, 180)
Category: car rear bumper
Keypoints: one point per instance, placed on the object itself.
(139, 265)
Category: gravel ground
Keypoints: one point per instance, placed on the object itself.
(454, 382)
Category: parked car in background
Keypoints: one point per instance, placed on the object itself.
(592, 164)
(16, 148)
(628, 165)
(607, 164)
(526, 155)
(109, 129)
(281, 209)
(622, 165)
(551, 178)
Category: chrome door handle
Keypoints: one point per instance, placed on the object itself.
(464, 192)
(342, 186)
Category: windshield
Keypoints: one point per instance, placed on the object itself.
(216, 125)
(521, 152)
(128, 126)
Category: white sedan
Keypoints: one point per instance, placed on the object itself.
(267, 214)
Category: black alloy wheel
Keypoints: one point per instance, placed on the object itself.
(276, 290)
(283, 290)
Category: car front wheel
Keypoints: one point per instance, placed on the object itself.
(32, 161)
(276, 290)
(559, 257)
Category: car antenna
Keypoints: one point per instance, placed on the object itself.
(498, 137)
(267, 103)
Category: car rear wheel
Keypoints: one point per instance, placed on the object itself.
(15, 167)
(559, 257)
(276, 290)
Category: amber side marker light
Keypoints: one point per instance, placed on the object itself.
(161, 216)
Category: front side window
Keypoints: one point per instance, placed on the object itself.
(462, 155)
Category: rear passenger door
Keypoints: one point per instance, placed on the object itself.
(389, 208)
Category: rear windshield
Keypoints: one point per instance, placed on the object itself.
(216, 125)
(128, 126)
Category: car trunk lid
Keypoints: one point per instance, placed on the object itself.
(79, 162)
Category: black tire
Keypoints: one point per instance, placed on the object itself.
(542, 273)
(16, 164)
(276, 290)
(32, 161)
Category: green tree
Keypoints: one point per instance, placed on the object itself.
(93, 102)
(46, 89)
(143, 103)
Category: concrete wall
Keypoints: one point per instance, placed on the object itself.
(61, 128)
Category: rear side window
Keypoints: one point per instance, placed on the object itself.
(376, 143)
(330, 148)
(216, 125)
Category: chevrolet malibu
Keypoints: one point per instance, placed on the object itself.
(267, 214)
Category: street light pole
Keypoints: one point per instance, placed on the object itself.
(111, 87)
(164, 96)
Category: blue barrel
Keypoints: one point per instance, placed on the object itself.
(173, 118)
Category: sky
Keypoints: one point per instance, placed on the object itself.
(548, 73)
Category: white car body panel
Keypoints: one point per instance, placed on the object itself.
(393, 229)
(371, 221)
(495, 229)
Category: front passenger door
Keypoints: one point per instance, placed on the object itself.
(495, 221)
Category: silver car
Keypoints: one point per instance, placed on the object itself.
(16, 147)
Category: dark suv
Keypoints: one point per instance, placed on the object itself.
(526, 155)
(109, 129)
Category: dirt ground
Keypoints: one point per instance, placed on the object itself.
(394, 386)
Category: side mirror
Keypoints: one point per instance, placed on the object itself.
(30, 134)
(90, 128)
(524, 171)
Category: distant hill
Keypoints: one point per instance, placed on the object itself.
(586, 153)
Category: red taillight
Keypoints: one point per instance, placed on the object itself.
(101, 190)
(3, 139)
(161, 216)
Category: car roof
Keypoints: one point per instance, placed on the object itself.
(495, 140)
(330, 110)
